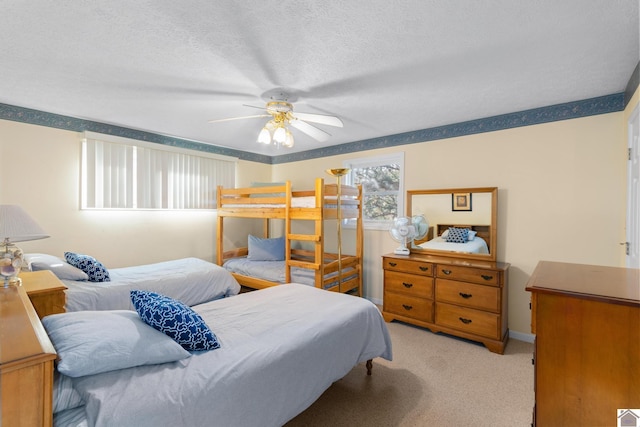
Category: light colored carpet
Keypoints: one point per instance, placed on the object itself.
(433, 380)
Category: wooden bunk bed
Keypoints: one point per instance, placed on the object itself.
(330, 272)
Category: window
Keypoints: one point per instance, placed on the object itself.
(382, 187)
(126, 174)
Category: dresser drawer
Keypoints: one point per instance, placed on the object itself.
(408, 266)
(406, 305)
(468, 294)
(468, 320)
(411, 284)
(468, 274)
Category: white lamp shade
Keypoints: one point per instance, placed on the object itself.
(280, 135)
(17, 226)
(288, 142)
(265, 136)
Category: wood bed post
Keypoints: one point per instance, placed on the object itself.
(319, 230)
(359, 241)
(287, 232)
(219, 227)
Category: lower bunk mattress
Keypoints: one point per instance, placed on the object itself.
(274, 271)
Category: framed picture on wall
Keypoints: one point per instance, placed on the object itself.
(461, 202)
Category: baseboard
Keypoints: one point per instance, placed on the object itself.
(521, 336)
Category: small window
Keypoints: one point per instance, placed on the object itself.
(118, 173)
(382, 188)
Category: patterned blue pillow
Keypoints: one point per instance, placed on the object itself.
(94, 268)
(457, 235)
(175, 319)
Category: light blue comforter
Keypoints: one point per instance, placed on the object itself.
(282, 347)
(190, 280)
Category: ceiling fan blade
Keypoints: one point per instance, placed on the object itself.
(323, 119)
(312, 131)
(239, 118)
(253, 106)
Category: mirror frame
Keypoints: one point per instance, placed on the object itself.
(493, 232)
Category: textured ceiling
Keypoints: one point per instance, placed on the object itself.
(384, 67)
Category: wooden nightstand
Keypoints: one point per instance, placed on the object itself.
(45, 291)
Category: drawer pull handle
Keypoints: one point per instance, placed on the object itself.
(407, 285)
(447, 272)
(485, 277)
(407, 307)
(423, 268)
(465, 321)
(392, 264)
(465, 296)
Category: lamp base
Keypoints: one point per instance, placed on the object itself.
(10, 262)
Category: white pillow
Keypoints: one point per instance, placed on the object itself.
(91, 342)
(62, 269)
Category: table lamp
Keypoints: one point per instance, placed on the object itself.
(15, 226)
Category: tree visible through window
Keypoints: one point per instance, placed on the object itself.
(382, 187)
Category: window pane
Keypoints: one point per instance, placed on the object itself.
(380, 207)
(128, 176)
(378, 178)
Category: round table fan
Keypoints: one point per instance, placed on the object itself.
(405, 230)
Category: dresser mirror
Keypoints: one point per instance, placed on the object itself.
(473, 209)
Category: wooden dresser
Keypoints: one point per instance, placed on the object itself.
(586, 319)
(457, 296)
(45, 290)
(26, 363)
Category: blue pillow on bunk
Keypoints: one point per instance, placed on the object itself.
(94, 268)
(266, 249)
(175, 319)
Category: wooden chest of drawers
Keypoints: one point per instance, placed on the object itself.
(451, 295)
(587, 349)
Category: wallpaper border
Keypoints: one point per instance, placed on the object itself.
(570, 110)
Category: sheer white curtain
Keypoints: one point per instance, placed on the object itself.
(121, 175)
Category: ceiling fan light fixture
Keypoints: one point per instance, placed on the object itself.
(264, 137)
(288, 142)
(280, 135)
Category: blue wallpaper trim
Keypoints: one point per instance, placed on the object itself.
(36, 117)
(569, 110)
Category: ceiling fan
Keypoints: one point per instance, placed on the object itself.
(281, 112)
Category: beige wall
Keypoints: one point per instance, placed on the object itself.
(562, 198)
(561, 194)
(41, 172)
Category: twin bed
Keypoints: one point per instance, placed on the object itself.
(311, 265)
(281, 348)
(190, 280)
